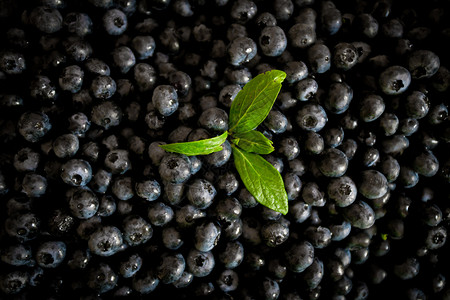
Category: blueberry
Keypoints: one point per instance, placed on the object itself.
(123, 59)
(228, 281)
(227, 183)
(149, 189)
(206, 236)
(232, 255)
(17, 255)
(23, 227)
(214, 119)
(34, 185)
(274, 233)
(426, 164)
(144, 46)
(171, 267)
(79, 124)
(276, 121)
(78, 23)
(33, 126)
(14, 281)
(372, 107)
(276, 268)
(333, 163)
(313, 274)
(423, 64)
(76, 172)
(130, 266)
(165, 99)
(345, 56)
(187, 215)
(289, 148)
(311, 117)
(306, 89)
(145, 281)
(145, 76)
(105, 241)
(51, 254)
(160, 214)
(312, 194)
(299, 256)
(272, 41)
(107, 206)
(366, 24)
(359, 214)
(436, 237)
(117, 161)
(417, 105)
(339, 97)
(228, 93)
(342, 190)
(330, 17)
(408, 178)
(175, 168)
(115, 22)
(12, 63)
(102, 278)
(293, 185)
(199, 263)
(394, 80)
(373, 184)
(408, 269)
(241, 50)
(265, 19)
(302, 35)
(83, 203)
(243, 11)
(71, 79)
(46, 19)
(65, 145)
(295, 71)
(220, 158)
(122, 188)
(185, 279)
(171, 238)
(300, 211)
(437, 114)
(103, 87)
(389, 123)
(77, 48)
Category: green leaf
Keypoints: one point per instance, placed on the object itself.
(253, 141)
(201, 147)
(261, 179)
(253, 103)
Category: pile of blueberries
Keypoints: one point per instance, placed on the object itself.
(92, 208)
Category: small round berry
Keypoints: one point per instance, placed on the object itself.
(115, 22)
(76, 172)
(33, 126)
(105, 241)
(51, 254)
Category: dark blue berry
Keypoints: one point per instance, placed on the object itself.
(51, 254)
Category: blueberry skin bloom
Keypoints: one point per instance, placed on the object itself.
(272, 41)
(51, 254)
(12, 62)
(312, 117)
(394, 80)
(423, 64)
(33, 126)
(105, 241)
(165, 99)
(115, 22)
(46, 19)
(76, 172)
(71, 79)
(241, 50)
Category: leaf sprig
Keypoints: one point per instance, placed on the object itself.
(249, 109)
